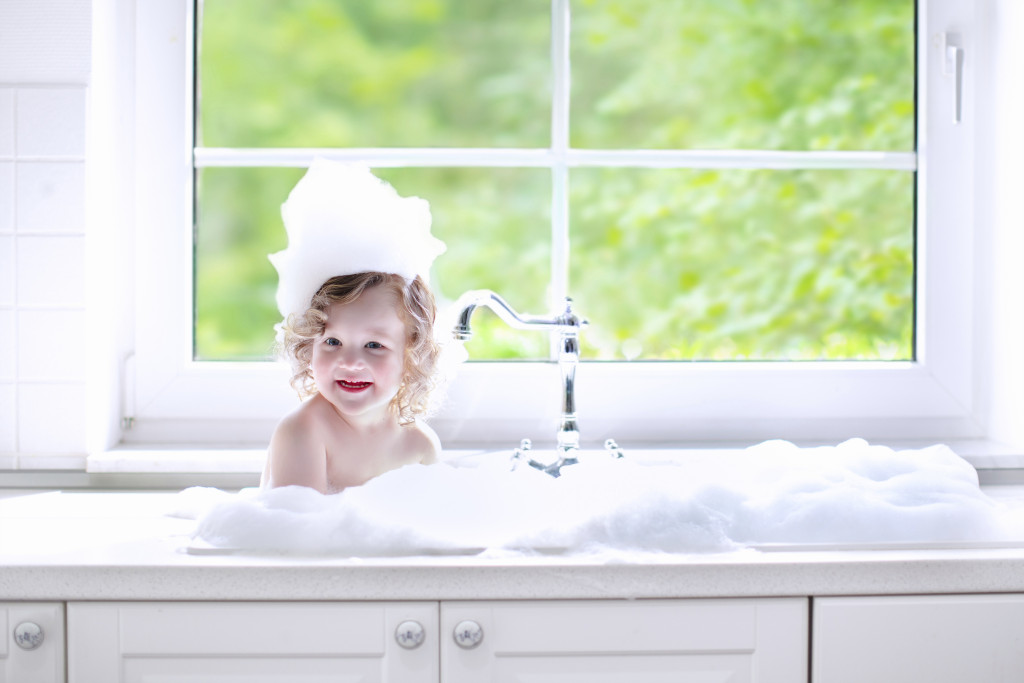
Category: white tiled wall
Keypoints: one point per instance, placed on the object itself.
(44, 72)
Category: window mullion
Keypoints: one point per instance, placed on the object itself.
(560, 245)
(744, 159)
(378, 157)
(212, 157)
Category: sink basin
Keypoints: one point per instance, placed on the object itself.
(770, 497)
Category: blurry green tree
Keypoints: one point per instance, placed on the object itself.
(667, 263)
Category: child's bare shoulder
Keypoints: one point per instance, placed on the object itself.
(423, 441)
(298, 449)
(300, 432)
(296, 423)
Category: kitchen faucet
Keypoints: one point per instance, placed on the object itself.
(568, 326)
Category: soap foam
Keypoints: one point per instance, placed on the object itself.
(341, 219)
(770, 494)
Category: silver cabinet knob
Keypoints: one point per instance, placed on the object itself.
(410, 634)
(468, 634)
(28, 635)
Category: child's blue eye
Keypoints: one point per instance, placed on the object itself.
(374, 345)
(331, 341)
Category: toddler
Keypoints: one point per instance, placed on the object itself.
(362, 346)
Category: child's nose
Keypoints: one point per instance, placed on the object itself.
(350, 358)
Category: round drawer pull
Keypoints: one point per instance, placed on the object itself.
(410, 634)
(28, 635)
(468, 634)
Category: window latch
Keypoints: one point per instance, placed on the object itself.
(953, 65)
(128, 392)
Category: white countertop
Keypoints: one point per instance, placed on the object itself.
(122, 546)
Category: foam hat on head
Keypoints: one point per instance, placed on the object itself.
(340, 220)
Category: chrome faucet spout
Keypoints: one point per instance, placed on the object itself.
(568, 326)
(470, 301)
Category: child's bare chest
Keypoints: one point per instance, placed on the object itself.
(356, 461)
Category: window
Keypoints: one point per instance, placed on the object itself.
(631, 174)
(642, 191)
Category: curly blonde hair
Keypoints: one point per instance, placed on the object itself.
(417, 311)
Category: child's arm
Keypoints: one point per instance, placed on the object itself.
(297, 457)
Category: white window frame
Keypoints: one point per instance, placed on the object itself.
(161, 396)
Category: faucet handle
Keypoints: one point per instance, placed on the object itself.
(519, 454)
(569, 316)
(613, 448)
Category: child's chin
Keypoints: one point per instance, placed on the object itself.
(360, 405)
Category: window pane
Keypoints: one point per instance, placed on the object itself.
(497, 225)
(494, 221)
(784, 74)
(741, 264)
(352, 73)
(238, 223)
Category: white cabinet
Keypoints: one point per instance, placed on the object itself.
(643, 641)
(32, 647)
(252, 642)
(600, 641)
(939, 639)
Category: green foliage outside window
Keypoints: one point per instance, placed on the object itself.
(666, 263)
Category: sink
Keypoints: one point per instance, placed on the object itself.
(772, 497)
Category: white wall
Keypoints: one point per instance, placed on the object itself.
(44, 74)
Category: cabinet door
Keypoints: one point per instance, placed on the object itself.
(32, 646)
(939, 639)
(643, 641)
(252, 642)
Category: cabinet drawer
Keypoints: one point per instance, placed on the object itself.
(919, 638)
(262, 642)
(635, 641)
(32, 646)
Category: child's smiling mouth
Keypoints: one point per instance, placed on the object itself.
(352, 386)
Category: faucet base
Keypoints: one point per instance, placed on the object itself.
(566, 457)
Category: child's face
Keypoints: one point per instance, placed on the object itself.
(358, 361)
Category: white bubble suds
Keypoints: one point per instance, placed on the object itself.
(772, 494)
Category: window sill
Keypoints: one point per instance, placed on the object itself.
(994, 461)
(164, 467)
(177, 460)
